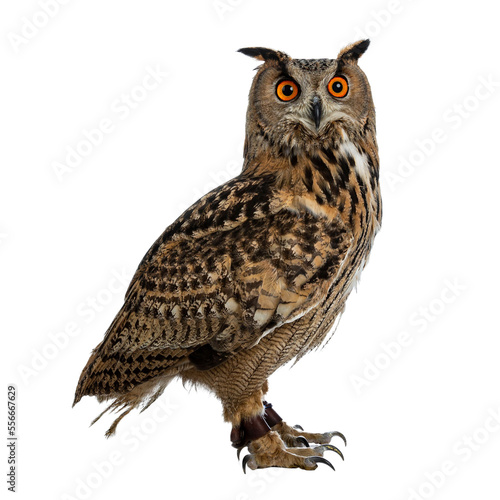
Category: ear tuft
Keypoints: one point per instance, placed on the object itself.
(263, 54)
(354, 51)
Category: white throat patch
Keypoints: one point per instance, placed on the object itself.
(360, 159)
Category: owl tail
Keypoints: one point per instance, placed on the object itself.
(142, 396)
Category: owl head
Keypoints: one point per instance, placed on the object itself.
(304, 103)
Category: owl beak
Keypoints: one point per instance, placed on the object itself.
(316, 111)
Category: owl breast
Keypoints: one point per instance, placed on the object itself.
(341, 184)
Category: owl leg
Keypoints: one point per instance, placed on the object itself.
(254, 425)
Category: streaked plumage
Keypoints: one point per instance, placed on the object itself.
(256, 272)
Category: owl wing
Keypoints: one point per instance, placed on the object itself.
(236, 265)
(232, 268)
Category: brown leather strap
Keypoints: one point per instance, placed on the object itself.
(237, 436)
(249, 429)
(272, 418)
(254, 428)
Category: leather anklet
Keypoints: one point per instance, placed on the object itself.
(255, 427)
(272, 418)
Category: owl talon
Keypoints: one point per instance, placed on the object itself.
(335, 433)
(319, 460)
(252, 465)
(303, 440)
(298, 427)
(330, 447)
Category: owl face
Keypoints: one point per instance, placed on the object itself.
(296, 101)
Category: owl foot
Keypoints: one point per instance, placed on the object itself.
(270, 451)
(292, 436)
(273, 443)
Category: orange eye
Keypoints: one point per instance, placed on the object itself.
(338, 87)
(287, 90)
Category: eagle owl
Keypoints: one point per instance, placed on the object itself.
(255, 273)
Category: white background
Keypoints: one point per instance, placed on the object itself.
(411, 376)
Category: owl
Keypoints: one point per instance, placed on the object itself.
(255, 273)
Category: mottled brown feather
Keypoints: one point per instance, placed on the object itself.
(222, 280)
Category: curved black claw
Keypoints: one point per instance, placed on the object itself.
(303, 440)
(246, 458)
(320, 460)
(333, 448)
(340, 435)
(239, 452)
(298, 427)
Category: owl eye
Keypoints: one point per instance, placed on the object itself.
(338, 86)
(287, 90)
